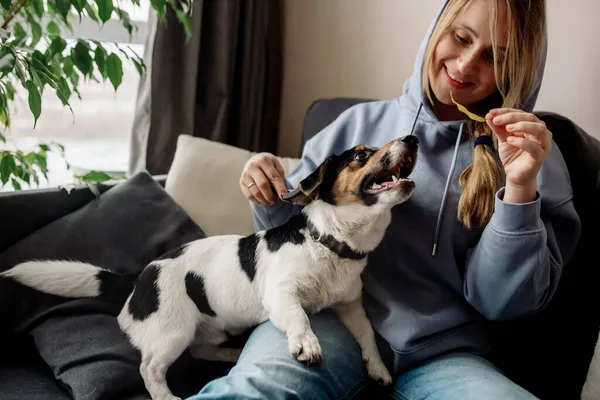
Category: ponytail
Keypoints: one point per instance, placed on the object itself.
(480, 180)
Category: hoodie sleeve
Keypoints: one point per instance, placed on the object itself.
(341, 134)
(515, 268)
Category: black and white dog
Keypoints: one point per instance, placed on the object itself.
(223, 285)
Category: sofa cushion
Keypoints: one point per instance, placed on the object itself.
(204, 180)
(123, 230)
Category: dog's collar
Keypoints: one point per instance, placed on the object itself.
(340, 248)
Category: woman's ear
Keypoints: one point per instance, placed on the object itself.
(308, 189)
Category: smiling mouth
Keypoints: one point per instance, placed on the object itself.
(455, 80)
(389, 179)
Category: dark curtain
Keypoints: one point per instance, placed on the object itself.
(224, 84)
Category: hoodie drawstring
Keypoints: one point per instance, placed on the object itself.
(448, 180)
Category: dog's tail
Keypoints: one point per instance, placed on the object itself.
(72, 279)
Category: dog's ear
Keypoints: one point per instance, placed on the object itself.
(308, 189)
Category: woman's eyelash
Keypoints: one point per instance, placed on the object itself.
(461, 39)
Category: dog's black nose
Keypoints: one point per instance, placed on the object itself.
(411, 140)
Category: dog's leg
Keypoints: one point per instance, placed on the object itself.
(354, 318)
(155, 363)
(286, 313)
(211, 352)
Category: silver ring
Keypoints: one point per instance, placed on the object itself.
(250, 185)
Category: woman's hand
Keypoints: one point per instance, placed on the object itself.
(262, 174)
(523, 144)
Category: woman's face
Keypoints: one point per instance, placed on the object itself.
(463, 60)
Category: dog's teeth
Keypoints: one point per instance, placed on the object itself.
(394, 178)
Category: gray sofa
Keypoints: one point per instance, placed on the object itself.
(58, 349)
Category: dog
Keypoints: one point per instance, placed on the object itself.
(196, 296)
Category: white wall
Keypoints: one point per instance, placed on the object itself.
(366, 48)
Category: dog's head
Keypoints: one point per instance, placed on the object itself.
(362, 175)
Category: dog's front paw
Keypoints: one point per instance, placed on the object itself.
(306, 347)
(378, 372)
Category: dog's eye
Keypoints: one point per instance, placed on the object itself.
(361, 156)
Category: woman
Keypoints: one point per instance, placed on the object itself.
(483, 238)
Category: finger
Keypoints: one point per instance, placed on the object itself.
(501, 111)
(252, 193)
(500, 131)
(534, 129)
(275, 176)
(263, 187)
(251, 197)
(257, 196)
(514, 116)
(533, 148)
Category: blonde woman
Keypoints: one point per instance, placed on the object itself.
(484, 237)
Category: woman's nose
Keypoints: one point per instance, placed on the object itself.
(467, 62)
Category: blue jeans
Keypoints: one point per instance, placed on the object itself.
(266, 370)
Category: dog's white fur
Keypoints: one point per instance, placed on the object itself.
(289, 283)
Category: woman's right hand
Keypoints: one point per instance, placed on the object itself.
(263, 174)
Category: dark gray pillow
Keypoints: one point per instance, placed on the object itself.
(126, 228)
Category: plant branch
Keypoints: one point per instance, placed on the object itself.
(14, 9)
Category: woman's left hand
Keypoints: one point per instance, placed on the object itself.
(523, 144)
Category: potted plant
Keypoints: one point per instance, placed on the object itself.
(35, 54)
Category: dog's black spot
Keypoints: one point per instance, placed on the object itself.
(115, 288)
(173, 253)
(247, 254)
(144, 300)
(289, 232)
(194, 286)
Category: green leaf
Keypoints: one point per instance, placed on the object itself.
(68, 66)
(159, 6)
(63, 91)
(7, 166)
(100, 58)
(79, 5)
(15, 184)
(63, 7)
(188, 25)
(114, 69)
(139, 66)
(53, 30)
(20, 34)
(38, 7)
(20, 72)
(105, 9)
(125, 20)
(82, 59)
(4, 119)
(92, 12)
(34, 100)
(96, 177)
(6, 4)
(2, 138)
(36, 32)
(57, 46)
(7, 62)
(10, 90)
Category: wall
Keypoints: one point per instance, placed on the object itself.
(366, 48)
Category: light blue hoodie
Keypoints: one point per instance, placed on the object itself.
(424, 304)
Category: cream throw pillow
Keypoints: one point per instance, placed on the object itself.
(203, 180)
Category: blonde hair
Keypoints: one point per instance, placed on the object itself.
(516, 76)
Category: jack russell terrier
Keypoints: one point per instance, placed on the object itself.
(197, 295)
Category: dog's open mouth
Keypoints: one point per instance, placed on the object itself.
(389, 179)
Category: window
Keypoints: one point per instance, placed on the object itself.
(96, 135)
